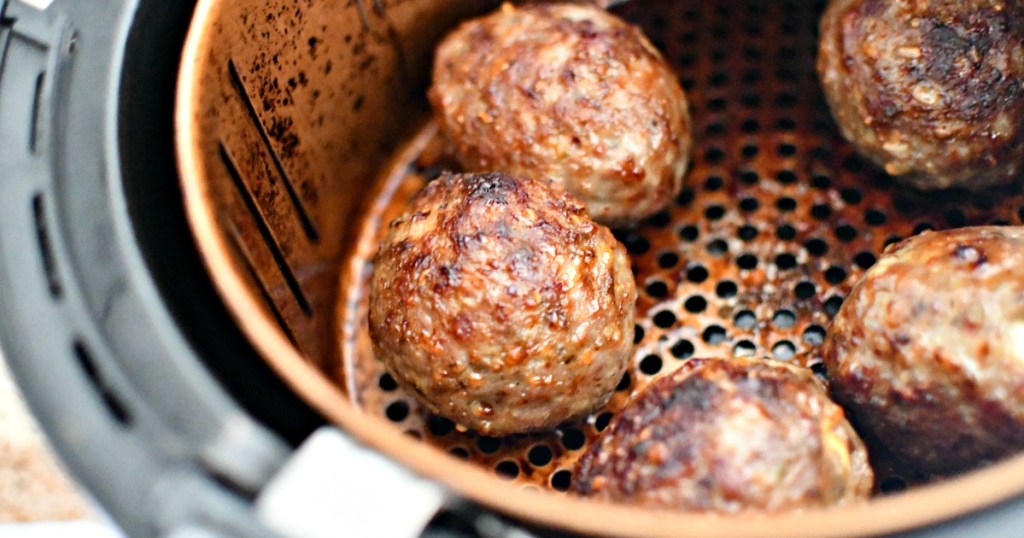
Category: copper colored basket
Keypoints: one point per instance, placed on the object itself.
(303, 127)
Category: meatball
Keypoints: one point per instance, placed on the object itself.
(728, 435)
(500, 305)
(567, 92)
(927, 352)
(931, 90)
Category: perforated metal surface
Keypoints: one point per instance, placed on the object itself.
(778, 220)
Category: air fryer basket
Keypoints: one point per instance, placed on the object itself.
(301, 128)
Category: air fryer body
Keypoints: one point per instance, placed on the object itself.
(151, 394)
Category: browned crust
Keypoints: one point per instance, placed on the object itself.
(501, 305)
(931, 90)
(927, 353)
(567, 92)
(725, 436)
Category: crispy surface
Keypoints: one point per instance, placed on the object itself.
(725, 436)
(567, 92)
(499, 304)
(927, 352)
(929, 89)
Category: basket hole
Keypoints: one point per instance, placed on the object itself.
(747, 232)
(719, 78)
(749, 177)
(786, 232)
(785, 204)
(923, 227)
(785, 124)
(864, 260)
(716, 105)
(697, 274)
(561, 480)
(507, 469)
(602, 421)
(746, 261)
(750, 100)
(715, 334)
(821, 181)
(685, 197)
(439, 426)
(387, 383)
(805, 290)
(650, 364)
(665, 319)
(695, 304)
(744, 348)
(657, 289)
(668, 260)
(726, 289)
(397, 411)
(715, 129)
(624, 383)
(749, 151)
(713, 183)
(784, 319)
(744, 320)
(682, 349)
(752, 53)
(892, 239)
(785, 100)
(749, 205)
(573, 438)
(874, 217)
(853, 163)
(814, 335)
(821, 211)
(786, 150)
(832, 305)
(785, 261)
(835, 275)
(786, 177)
(637, 244)
(816, 247)
(459, 452)
(851, 195)
(718, 247)
(750, 126)
(540, 455)
(659, 219)
(784, 350)
(845, 233)
(818, 368)
(689, 233)
(714, 212)
(488, 445)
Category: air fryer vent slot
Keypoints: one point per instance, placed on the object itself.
(45, 246)
(114, 404)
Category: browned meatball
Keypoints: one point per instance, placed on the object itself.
(927, 352)
(567, 92)
(499, 304)
(728, 435)
(929, 89)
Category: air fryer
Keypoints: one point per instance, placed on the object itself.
(192, 192)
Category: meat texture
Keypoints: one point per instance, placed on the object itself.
(567, 92)
(931, 90)
(726, 436)
(501, 305)
(927, 352)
